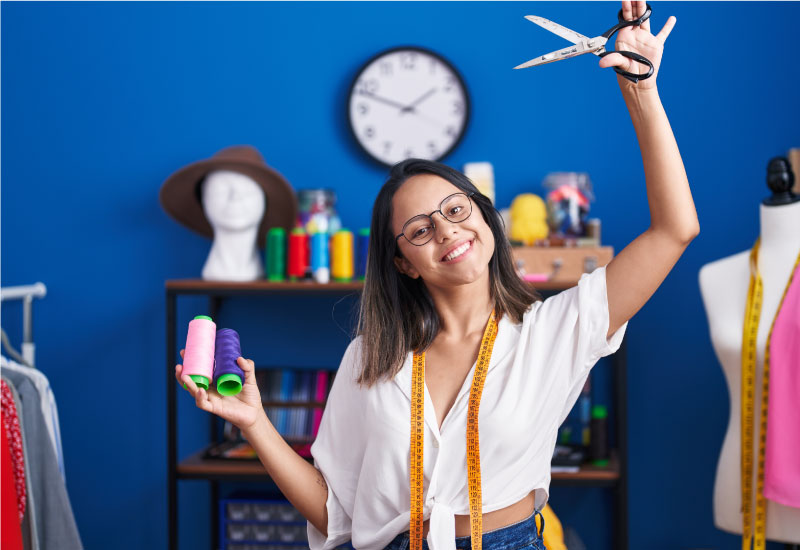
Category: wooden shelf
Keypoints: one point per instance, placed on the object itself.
(590, 475)
(195, 466)
(199, 286)
(534, 259)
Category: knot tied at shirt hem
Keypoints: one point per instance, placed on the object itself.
(442, 528)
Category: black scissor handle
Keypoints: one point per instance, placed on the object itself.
(633, 77)
(622, 22)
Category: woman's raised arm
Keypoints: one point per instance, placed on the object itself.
(638, 270)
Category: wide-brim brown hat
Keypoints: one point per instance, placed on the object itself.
(180, 198)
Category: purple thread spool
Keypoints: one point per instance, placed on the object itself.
(227, 375)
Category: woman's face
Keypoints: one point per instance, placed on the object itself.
(458, 253)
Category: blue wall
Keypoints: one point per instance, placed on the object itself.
(101, 102)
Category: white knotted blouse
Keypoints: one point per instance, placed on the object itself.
(535, 374)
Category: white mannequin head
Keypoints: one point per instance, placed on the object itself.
(234, 205)
(232, 201)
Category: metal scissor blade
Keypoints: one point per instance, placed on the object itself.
(558, 55)
(555, 28)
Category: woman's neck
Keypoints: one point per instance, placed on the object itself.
(463, 309)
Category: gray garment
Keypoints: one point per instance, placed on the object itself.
(29, 539)
(53, 519)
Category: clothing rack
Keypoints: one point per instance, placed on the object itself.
(26, 293)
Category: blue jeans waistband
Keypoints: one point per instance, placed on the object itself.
(523, 534)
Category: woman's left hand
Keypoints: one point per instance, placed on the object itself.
(639, 40)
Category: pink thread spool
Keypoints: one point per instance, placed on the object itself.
(198, 358)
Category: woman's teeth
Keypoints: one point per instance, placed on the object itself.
(457, 252)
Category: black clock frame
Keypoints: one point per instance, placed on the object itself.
(426, 51)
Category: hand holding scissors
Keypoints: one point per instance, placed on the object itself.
(636, 44)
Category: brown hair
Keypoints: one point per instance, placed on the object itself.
(397, 313)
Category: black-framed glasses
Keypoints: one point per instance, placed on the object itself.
(454, 208)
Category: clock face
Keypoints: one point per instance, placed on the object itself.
(408, 102)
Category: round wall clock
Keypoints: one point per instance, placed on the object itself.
(408, 102)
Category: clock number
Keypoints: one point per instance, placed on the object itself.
(363, 108)
(369, 132)
(458, 107)
(367, 87)
(450, 131)
(387, 146)
(386, 68)
(407, 60)
(432, 148)
(433, 66)
(451, 82)
(408, 153)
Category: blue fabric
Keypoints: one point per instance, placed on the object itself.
(523, 534)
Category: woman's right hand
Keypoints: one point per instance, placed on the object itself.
(242, 410)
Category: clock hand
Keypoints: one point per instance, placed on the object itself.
(384, 100)
(419, 100)
(380, 99)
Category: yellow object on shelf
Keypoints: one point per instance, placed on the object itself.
(528, 219)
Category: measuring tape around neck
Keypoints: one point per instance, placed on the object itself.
(751, 320)
(473, 446)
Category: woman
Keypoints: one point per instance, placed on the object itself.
(442, 304)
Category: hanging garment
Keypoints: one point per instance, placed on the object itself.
(11, 534)
(48, 404)
(14, 439)
(53, 520)
(30, 540)
(781, 464)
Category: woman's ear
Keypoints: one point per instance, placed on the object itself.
(405, 267)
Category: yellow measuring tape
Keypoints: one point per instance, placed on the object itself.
(473, 446)
(751, 320)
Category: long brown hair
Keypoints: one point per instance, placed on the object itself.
(397, 313)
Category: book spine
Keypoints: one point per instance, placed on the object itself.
(320, 395)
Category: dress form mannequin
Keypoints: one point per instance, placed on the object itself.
(724, 286)
(234, 205)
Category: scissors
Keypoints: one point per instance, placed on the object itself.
(596, 45)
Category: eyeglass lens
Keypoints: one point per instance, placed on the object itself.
(455, 208)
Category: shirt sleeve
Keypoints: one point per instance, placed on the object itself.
(577, 320)
(338, 451)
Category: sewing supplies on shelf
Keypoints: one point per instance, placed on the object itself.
(298, 254)
(342, 255)
(276, 254)
(320, 258)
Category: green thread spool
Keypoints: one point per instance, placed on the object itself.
(276, 254)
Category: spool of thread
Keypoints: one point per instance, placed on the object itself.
(362, 249)
(320, 267)
(298, 254)
(198, 357)
(342, 255)
(228, 377)
(276, 254)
